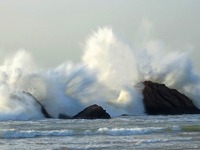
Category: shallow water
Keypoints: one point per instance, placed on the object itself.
(136, 132)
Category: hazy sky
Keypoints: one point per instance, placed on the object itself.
(53, 30)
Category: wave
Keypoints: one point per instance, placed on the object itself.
(109, 74)
(31, 133)
(129, 131)
(13, 133)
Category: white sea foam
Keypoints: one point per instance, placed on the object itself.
(128, 131)
(12, 133)
(31, 133)
(108, 74)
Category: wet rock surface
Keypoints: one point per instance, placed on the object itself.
(92, 112)
(161, 100)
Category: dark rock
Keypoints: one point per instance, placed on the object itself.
(124, 115)
(92, 112)
(159, 99)
(63, 116)
(43, 110)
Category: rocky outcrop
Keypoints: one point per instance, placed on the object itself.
(159, 99)
(63, 116)
(43, 110)
(92, 112)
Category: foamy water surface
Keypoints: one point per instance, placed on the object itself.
(137, 132)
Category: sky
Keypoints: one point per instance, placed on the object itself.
(55, 30)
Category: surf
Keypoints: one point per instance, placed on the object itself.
(109, 74)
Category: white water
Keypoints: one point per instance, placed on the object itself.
(131, 132)
(12, 133)
(109, 74)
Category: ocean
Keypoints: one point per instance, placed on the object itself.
(127, 132)
(110, 74)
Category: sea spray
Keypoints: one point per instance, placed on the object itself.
(119, 65)
(110, 74)
(116, 68)
(14, 104)
(18, 106)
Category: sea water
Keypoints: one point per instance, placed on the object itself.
(110, 73)
(128, 132)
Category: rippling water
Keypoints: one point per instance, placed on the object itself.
(137, 132)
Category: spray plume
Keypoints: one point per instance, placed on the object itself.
(110, 74)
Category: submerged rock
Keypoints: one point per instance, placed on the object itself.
(63, 116)
(159, 99)
(92, 112)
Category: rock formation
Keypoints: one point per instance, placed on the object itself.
(92, 112)
(43, 110)
(159, 99)
(63, 116)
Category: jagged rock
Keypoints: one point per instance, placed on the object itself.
(159, 99)
(43, 110)
(92, 112)
(124, 115)
(63, 116)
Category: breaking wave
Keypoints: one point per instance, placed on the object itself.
(109, 74)
(12, 133)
